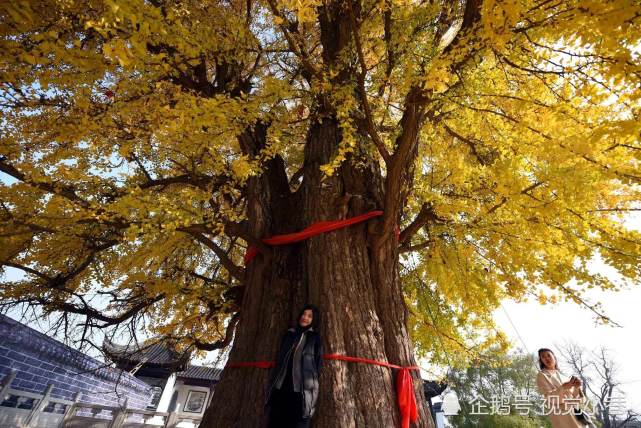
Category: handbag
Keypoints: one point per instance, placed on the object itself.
(582, 417)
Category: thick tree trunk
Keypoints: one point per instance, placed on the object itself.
(350, 274)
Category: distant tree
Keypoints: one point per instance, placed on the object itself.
(599, 373)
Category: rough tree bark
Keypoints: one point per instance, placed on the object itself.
(351, 274)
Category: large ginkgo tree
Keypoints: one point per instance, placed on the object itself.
(146, 144)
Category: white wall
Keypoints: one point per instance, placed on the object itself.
(183, 392)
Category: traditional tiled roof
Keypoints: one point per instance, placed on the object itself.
(15, 335)
(158, 354)
(200, 372)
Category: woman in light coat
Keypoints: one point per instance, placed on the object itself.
(561, 397)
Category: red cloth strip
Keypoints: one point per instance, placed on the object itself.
(404, 384)
(366, 361)
(406, 398)
(313, 230)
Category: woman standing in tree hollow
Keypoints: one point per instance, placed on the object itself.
(561, 397)
(293, 386)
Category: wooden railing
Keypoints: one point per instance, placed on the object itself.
(22, 409)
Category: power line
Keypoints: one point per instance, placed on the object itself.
(515, 329)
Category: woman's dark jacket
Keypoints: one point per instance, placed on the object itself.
(306, 349)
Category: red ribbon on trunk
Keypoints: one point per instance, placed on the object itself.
(313, 230)
(404, 384)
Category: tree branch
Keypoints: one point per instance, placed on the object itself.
(229, 334)
(406, 144)
(504, 200)
(369, 122)
(94, 314)
(425, 215)
(25, 269)
(198, 233)
(417, 247)
(576, 297)
(197, 180)
(64, 191)
(389, 47)
(414, 113)
(469, 143)
(239, 230)
(297, 48)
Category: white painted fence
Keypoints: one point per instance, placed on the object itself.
(23, 409)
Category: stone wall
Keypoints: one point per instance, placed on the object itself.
(39, 360)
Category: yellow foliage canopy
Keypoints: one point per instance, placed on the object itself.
(124, 174)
